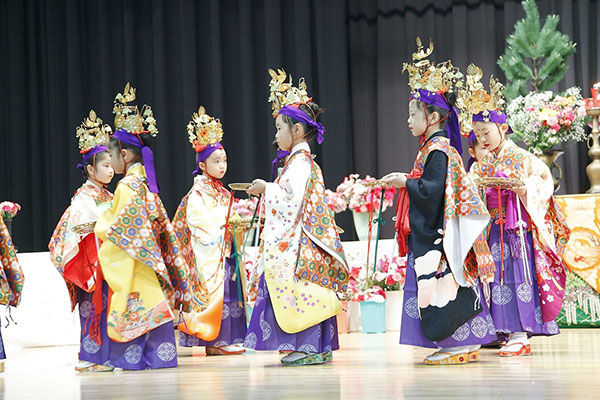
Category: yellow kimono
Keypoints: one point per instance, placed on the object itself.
(141, 262)
(200, 218)
(303, 261)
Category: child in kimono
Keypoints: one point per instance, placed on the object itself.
(140, 255)
(447, 254)
(301, 253)
(74, 247)
(201, 223)
(11, 278)
(528, 234)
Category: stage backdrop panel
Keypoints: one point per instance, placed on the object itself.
(581, 306)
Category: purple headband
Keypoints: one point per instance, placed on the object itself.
(281, 154)
(203, 154)
(299, 115)
(438, 100)
(493, 116)
(147, 156)
(89, 154)
(472, 140)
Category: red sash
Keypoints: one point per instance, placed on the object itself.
(402, 218)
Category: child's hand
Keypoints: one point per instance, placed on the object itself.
(257, 188)
(395, 179)
(521, 190)
(391, 175)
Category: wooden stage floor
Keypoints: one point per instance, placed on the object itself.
(367, 367)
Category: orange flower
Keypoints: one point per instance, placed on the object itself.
(133, 316)
(283, 246)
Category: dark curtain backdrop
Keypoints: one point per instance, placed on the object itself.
(58, 59)
(382, 37)
(61, 58)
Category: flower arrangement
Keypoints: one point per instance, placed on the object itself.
(245, 207)
(390, 274)
(361, 198)
(374, 293)
(9, 209)
(336, 201)
(543, 120)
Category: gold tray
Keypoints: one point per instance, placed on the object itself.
(376, 183)
(245, 222)
(239, 186)
(502, 183)
(84, 228)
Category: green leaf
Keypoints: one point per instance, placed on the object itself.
(532, 43)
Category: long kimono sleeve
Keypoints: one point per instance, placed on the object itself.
(540, 188)
(64, 246)
(283, 212)
(426, 210)
(292, 184)
(283, 199)
(205, 218)
(123, 195)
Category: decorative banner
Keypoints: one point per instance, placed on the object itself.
(582, 254)
(581, 305)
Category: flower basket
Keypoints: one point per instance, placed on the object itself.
(361, 224)
(372, 316)
(363, 199)
(244, 208)
(8, 210)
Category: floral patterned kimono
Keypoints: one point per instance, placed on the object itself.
(447, 250)
(147, 276)
(303, 263)
(75, 256)
(530, 277)
(199, 223)
(11, 276)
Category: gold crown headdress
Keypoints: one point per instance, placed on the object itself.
(473, 99)
(129, 118)
(204, 130)
(283, 93)
(92, 132)
(423, 74)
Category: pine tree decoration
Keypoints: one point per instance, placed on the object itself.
(535, 56)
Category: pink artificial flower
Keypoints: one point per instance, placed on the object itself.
(355, 272)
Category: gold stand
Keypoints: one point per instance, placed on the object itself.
(593, 168)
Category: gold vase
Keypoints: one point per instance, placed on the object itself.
(549, 158)
(593, 168)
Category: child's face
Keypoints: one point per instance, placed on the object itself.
(216, 164)
(478, 151)
(103, 172)
(284, 136)
(489, 134)
(416, 119)
(100, 170)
